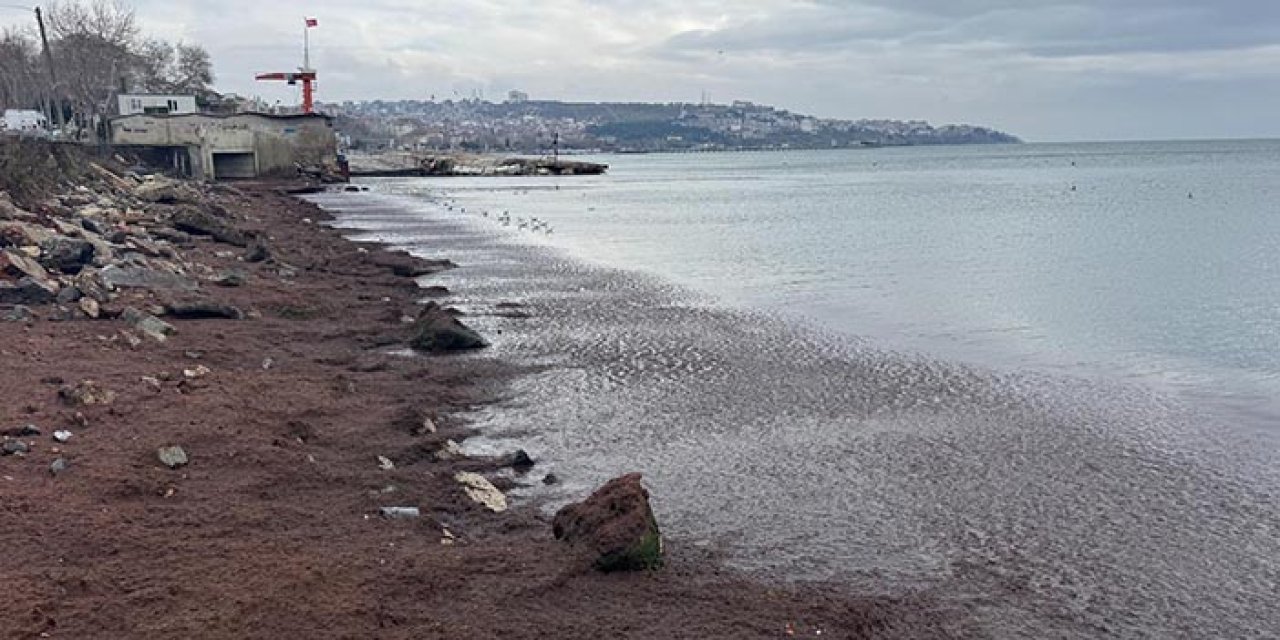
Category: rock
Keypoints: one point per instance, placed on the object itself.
(86, 393)
(450, 450)
(400, 513)
(479, 489)
(68, 255)
(22, 234)
(520, 461)
(202, 310)
(90, 307)
(407, 266)
(58, 466)
(28, 291)
(18, 264)
(152, 383)
(198, 372)
(203, 223)
(11, 211)
(257, 252)
(62, 435)
(550, 479)
(25, 431)
(68, 295)
(435, 330)
(90, 285)
(157, 329)
(17, 313)
(138, 277)
(60, 313)
(616, 525)
(172, 235)
(385, 463)
(14, 448)
(166, 191)
(172, 457)
(232, 278)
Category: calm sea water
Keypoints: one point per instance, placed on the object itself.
(1158, 261)
(1038, 381)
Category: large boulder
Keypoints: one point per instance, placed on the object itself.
(132, 276)
(405, 265)
(202, 222)
(68, 255)
(166, 191)
(27, 291)
(616, 525)
(436, 330)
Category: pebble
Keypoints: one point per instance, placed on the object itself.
(385, 463)
(58, 466)
(400, 513)
(199, 372)
(62, 435)
(172, 457)
(451, 450)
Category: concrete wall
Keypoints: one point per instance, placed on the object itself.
(277, 143)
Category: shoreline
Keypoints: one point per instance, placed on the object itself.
(925, 472)
(272, 528)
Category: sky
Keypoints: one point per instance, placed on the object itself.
(1046, 70)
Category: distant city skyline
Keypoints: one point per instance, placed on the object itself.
(1042, 69)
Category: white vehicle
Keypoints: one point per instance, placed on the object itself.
(24, 122)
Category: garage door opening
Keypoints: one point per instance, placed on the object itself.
(228, 166)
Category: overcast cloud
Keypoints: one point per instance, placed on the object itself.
(1043, 69)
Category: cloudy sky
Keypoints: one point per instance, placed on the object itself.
(1043, 69)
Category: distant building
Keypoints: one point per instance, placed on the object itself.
(517, 97)
(23, 122)
(244, 145)
(155, 104)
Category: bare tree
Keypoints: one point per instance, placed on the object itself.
(94, 47)
(21, 83)
(179, 68)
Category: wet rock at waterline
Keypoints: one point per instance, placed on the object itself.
(616, 525)
(435, 330)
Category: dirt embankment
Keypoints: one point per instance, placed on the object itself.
(298, 425)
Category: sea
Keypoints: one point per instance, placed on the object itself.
(1039, 383)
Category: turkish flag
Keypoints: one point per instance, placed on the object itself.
(312, 22)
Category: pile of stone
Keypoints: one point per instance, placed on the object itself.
(73, 255)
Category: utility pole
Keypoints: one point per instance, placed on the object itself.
(53, 76)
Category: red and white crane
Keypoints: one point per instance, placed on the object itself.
(305, 74)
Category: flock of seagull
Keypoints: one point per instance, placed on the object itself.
(531, 224)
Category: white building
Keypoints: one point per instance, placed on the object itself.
(23, 122)
(132, 104)
(517, 97)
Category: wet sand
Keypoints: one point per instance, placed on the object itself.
(272, 529)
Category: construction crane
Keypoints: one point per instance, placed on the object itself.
(305, 74)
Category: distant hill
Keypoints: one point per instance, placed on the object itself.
(536, 126)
